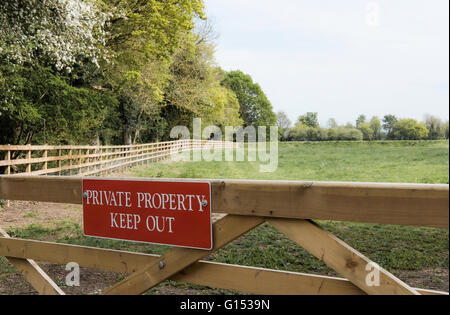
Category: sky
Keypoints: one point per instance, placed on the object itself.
(340, 58)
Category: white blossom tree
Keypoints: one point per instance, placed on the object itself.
(56, 32)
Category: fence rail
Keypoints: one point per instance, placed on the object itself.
(402, 204)
(91, 160)
(247, 205)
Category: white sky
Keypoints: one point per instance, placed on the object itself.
(340, 58)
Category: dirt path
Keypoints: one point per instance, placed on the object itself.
(23, 213)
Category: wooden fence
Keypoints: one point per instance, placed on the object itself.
(92, 160)
(287, 206)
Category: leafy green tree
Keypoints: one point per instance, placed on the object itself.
(255, 107)
(350, 134)
(332, 134)
(361, 120)
(349, 125)
(446, 128)
(366, 130)
(309, 119)
(144, 36)
(195, 84)
(389, 122)
(284, 124)
(283, 121)
(410, 129)
(435, 126)
(40, 105)
(375, 125)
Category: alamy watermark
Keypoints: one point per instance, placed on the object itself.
(73, 277)
(373, 275)
(252, 144)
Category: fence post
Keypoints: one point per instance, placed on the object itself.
(88, 153)
(28, 156)
(8, 158)
(79, 162)
(157, 152)
(59, 161)
(45, 155)
(70, 162)
(8, 171)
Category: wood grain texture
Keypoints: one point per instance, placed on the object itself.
(216, 275)
(403, 204)
(34, 274)
(224, 231)
(342, 258)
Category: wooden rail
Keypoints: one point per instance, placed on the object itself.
(247, 204)
(403, 204)
(92, 160)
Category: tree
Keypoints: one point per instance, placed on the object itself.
(255, 107)
(349, 125)
(410, 129)
(195, 84)
(332, 123)
(375, 125)
(309, 119)
(34, 98)
(389, 122)
(350, 134)
(361, 119)
(435, 126)
(366, 131)
(58, 33)
(143, 37)
(284, 124)
(446, 128)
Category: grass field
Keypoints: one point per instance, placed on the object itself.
(396, 162)
(419, 256)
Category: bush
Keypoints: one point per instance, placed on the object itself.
(320, 134)
(410, 129)
(351, 134)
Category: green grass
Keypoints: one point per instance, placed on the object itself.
(395, 162)
(30, 214)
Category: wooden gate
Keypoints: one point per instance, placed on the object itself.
(290, 207)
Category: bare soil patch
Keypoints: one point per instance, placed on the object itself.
(91, 282)
(436, 279)
(23, 213)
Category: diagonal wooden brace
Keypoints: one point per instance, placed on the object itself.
(224, 231)
(37, 277)
(341, 257)
(251, 280)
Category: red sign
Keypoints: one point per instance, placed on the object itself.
(174, 213)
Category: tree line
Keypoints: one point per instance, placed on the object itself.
(390, 127)
(115, 72)
(128, 71)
